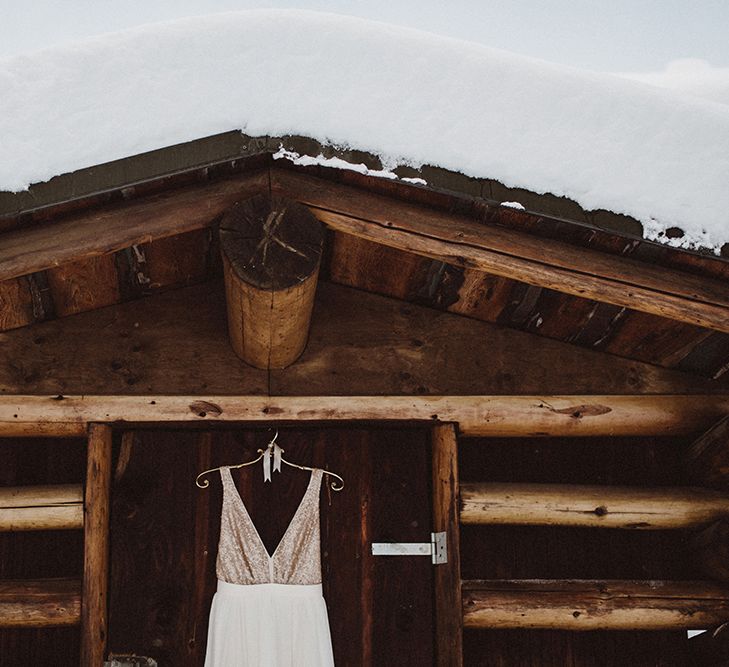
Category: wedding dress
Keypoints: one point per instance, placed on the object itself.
(268, 610)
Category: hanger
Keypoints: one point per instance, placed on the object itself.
(271, 448)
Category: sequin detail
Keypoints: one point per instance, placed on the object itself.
(242, 556)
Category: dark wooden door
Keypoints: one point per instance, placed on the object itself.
(164, 537)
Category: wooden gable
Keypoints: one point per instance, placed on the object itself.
(532, 390)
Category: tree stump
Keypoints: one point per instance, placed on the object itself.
(271, 249)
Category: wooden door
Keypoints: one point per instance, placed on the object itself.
(165, 531)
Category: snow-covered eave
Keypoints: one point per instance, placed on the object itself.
(234, 150)
(408, 97)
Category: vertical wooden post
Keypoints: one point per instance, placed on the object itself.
(448, 605)
(96, 546)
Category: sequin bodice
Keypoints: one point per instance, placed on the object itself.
(242, 556)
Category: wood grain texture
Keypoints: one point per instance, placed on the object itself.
(49, 507)
(177, 261)
(108, 229)
(448, 609)
(83, 285)
(356, 262)
(545, 263)
(707, 459)
(40, 603)
(654, 339)
(94, 611)
(632, 508)
(16, 304)
(495, 416)
(594, 605)
(177, 342)
(271, 250)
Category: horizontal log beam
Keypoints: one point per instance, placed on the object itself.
(594, 605)
(40, 603)
(58, 507)
(506, 252)
(590, 506)
(113, 228)
(495, 416)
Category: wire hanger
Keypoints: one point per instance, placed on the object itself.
(275, 451)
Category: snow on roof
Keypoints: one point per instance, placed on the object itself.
(690, 76)
(411, 97)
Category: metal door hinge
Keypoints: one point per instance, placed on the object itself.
(436, 548)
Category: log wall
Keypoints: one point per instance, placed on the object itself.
(556, 553)
(31, 555)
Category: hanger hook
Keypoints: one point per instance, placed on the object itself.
(273, 440)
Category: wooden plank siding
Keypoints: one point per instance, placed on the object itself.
(176, 342)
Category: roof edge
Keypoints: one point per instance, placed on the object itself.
(232, 150)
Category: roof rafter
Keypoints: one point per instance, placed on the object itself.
(414, 228)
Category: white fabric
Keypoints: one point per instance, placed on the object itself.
(268, 625)
(269, 610)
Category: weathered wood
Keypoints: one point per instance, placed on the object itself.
(40, 603)
(96, 546)
(709, 549)
(177, 261)
(497, 416)
(373, 267)
(543, 262)
(707, 459)
(83, 285)
(16, 304)
(655, 340)
(448, 611)
(590, 506)
(163, 345)
(57, 507)
(112, 228)
(594, 604)
(271, 250)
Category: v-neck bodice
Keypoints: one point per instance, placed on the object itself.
(244, 559)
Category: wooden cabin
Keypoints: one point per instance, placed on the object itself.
(535, 401)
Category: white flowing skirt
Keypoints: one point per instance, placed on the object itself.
(268, 625)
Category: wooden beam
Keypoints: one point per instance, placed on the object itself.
(590, 506)
(40, 603)
(594, 605)
(94, 623)
(707, 459)
(506, 252)
(453, 239)
(271, 249)
(102, 231)
(494, 416)
(448, 612)
(58, 507)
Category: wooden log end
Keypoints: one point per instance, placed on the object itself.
(271, 249)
